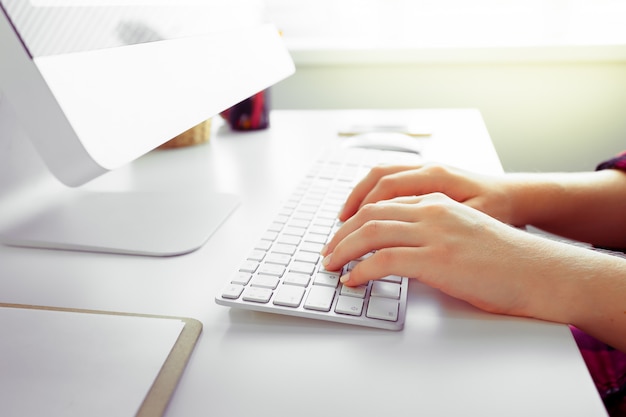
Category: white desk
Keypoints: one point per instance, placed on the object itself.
(450, 360)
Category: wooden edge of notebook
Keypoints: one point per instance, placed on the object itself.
(164, 385)
(158, 397)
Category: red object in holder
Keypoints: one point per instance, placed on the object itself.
(250, 114)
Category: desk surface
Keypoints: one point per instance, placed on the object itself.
(451, 359)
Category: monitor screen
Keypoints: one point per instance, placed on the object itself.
(53, 27)
(95, 84)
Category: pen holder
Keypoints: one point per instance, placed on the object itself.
(198, 134)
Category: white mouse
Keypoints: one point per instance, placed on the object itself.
(389, 141)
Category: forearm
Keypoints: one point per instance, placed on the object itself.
(580, 287)
(603, 301)
(590, 207)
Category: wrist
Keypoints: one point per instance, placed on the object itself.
(555, 275)
(531, 197)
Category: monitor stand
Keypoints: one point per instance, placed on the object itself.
(36, 210)
(133, 223)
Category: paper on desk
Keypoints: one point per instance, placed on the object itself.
(57, 363)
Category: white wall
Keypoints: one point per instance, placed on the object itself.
(542, 116)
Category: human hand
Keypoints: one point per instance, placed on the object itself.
(488, 194)
(472, 256)
(442, 243)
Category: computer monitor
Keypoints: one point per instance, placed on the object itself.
(91, 85)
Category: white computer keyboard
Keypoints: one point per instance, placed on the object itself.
(283, 272)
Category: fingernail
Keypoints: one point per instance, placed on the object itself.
(324, 250)
(326, 260)
(345, 278)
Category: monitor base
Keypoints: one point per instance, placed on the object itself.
(132, 223)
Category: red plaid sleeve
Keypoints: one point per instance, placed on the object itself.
(618, 162)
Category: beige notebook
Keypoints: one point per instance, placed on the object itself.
(66, 362)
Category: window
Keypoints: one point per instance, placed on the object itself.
(358, 24)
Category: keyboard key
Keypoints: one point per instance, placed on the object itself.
(276, 227)
(303, 215)
(256, 255)
(327, 279)
(256, 294)
(294, 278)
(320, 298)
(278, 258)
(241, 278)
(350, 266)
(320, 230)
(311, 201)
(294, 231)
(312, 247)
(316, 238)
(289, 239)
(308, 208)
(310, 257)
(289, 296)
(281, 218)
(249, 266)
(299, 223)
(328, 214)
(302, 267)
(292, 202)
(383, 309)
(263, 245)
(285, 211)
(358, 292)
(324, 222)
(232, 291)
(270, 235)
(272, 269)
(284, 248)
(349, 305)
(386, 290)
(392, 278)
(332, 208)
(264, 281)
